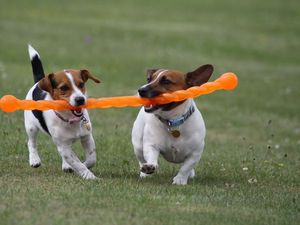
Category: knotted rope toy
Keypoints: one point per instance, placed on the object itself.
(227, 81)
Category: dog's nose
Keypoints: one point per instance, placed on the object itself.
(148, 92)
(79, 101)
(142, 92)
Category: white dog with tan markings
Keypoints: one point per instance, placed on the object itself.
(64, 127)
(175, 130)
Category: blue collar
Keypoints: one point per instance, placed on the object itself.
(178, 120)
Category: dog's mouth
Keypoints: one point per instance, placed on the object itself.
(164, 107)
(151, 108)
(77, 112)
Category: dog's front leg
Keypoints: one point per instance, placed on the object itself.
(151, 155)
(187, 169)
(69, 157)
(88, 144)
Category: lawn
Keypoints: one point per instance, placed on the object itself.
(249, 171)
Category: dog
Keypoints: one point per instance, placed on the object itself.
(175, 130)
(64, 127)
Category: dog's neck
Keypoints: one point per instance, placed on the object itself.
(66, 114)
(177, 111)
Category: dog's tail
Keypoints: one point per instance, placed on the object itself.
(37, 66)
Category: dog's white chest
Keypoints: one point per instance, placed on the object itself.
(66, 131)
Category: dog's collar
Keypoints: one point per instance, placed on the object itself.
(176, 122)
(75, 119)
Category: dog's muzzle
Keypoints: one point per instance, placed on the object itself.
(79, 101)
(148, 92)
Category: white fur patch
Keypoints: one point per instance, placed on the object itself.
(159, 75)
(32, 52)
(76, 91)
(162, 71)
(70, 77)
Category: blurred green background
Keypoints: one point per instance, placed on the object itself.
(249, 172)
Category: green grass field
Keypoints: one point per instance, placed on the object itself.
(256, 126)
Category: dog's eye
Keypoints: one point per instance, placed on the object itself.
(64, 88)
(148, 79)
(165, 81)
(81, 85)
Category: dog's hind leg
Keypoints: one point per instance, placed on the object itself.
(192, 174)
(187, 170)
(34, 159)
(66, 167)
(89, 146)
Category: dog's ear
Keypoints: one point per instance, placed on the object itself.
(48, 83)
(199, 76)
(85, 75)
(150, 73)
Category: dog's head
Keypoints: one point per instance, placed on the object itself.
(166, 81)
(68, 85)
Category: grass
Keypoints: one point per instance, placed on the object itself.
(257, 126)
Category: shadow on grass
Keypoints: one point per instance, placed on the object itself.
(162, 178)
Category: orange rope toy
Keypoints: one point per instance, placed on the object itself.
(227, 81)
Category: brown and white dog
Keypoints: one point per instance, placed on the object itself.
(64, 127)
(175, 130)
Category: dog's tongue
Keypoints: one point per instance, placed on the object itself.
(74, 119)
(77, 114)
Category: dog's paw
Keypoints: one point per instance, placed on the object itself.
(66, 167)
(148, 168)
(144, 175)
(180, 180)
(35, 165)
(88, 175)
(192, 174)
(34, 161)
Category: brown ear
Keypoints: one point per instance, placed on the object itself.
(85, 74)
(199, 76)
(150, 73)
(47, 83)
